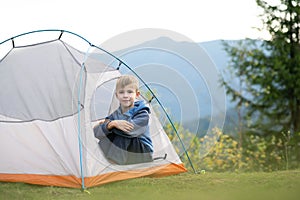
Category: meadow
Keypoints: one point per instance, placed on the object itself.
(208, 186)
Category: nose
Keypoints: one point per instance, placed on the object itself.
(126, 94)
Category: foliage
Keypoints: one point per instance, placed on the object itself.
(220, 152)
(267, 97)
(225, 156)
(269, 74)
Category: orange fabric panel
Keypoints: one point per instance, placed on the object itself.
(75, 182)
(38, 179)
(159, 171)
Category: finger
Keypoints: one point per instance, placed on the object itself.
(130, 125)
(129, 128)
(126, 130)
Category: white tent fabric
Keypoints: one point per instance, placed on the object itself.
(44, 139)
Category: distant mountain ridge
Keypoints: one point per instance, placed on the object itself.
(164, 65)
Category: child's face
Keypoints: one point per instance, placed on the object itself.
(127, 96)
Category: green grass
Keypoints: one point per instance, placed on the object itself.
(210, 186)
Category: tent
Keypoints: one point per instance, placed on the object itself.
(53, 96)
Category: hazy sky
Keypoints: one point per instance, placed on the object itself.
(98, 21)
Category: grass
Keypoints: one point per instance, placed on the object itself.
(209, 186)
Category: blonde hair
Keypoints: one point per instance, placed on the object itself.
(125, 80)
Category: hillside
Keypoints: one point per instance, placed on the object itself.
(185, 77)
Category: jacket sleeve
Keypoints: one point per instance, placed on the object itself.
(140, 122)
(101, 130)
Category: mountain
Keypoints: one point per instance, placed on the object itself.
(185, 76)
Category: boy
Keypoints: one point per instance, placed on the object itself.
(124, 135)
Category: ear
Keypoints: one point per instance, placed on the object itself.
(138, 93)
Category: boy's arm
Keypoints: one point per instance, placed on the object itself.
(101, 130)
(140, 122)
(137, 125)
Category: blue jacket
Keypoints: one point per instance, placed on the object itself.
(138, 116)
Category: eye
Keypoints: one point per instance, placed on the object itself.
(130, 91)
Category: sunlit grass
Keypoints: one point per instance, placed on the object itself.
(214, 186)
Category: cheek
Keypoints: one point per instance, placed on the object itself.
(132, 96)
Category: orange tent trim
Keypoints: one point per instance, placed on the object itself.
(75, 182)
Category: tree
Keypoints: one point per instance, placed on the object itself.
(270, 70)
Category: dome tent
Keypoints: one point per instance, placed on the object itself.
(53, 98)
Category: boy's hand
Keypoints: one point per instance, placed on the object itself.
(123, 125)
(101, 121)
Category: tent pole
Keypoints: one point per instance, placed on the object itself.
(164, 110)
(177, 134)
(61, 33)
(120, 63)
(79, 129)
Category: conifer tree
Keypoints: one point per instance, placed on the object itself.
(270, 73)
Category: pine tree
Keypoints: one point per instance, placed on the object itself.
(270, 71)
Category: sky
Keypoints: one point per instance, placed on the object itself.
(98, 20)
